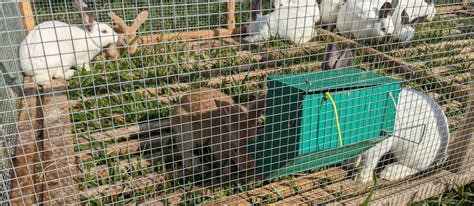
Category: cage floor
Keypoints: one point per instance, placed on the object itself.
(110, 147)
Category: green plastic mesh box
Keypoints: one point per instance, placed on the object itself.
(319, 119)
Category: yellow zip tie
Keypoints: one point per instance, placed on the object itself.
(328, 95)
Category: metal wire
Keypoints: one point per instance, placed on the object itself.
(197, 113)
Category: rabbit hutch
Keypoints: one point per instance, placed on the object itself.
(226, 102)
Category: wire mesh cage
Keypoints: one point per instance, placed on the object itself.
(227, 102)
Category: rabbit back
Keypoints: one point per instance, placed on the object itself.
(329, 10)
(419, 8)
(361, 19)
(294, 23)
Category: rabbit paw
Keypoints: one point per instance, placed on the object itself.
(251, 38)
(42, 79)
(87, 67)
(397, 171)
(364, 176)
(68, 74)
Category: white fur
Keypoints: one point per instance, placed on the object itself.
(419, 8)
(292, 21)
(414, 9)
(53, 47)
(360, 18)
(415, 151)
(329, 10)
(402, 32)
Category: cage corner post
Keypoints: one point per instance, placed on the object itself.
(26, 12)
(58, 155)
(461, 147)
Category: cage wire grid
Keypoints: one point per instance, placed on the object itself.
(182, 109)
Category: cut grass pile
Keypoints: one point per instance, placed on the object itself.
(130, 90)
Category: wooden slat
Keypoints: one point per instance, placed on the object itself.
(102, 171)
(22, 188)
(27, 13)
(191, 35)
(466, 4)
(312, 197)
(419, 190)
(287, 188)
(172, 199)
(448, 9)
(121, 148)
(414, 71)
(231, 16)
(58, 156)
(433, 47)
(151, 182)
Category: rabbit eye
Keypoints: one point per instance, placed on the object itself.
(104, 31)
(383, 29)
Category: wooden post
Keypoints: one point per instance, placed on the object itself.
(231, 16)
(59, 160)
(461, 145)
(26, 152)
(466, 4)
(27, 13)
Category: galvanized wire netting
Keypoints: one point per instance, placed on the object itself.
(194, 102)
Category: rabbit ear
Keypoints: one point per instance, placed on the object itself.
(86, 15)
(395, 3)
(385, 10)
(331, 55)
(256, 9)
(141, 18)
(336, 59)
(405, 17)
(418, 20)
(345, 60)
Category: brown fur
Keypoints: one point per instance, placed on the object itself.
(210, 115)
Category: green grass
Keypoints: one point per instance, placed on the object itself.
(461, 195)
(114, 93)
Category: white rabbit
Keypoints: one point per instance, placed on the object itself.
(53, 47)
(419, 141)
(404, 28)
(419, 8)
(291, 21)
(366, 18)
(329, 10)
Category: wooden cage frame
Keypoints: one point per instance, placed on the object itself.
(42, 176)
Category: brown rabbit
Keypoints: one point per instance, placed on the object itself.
(209, 115)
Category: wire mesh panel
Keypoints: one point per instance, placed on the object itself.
(11, 33)
(236, 102)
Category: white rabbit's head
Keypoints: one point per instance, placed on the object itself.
(386, 25)
(431, 10)
(280, 3)
(100, 33)
(405, 28)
